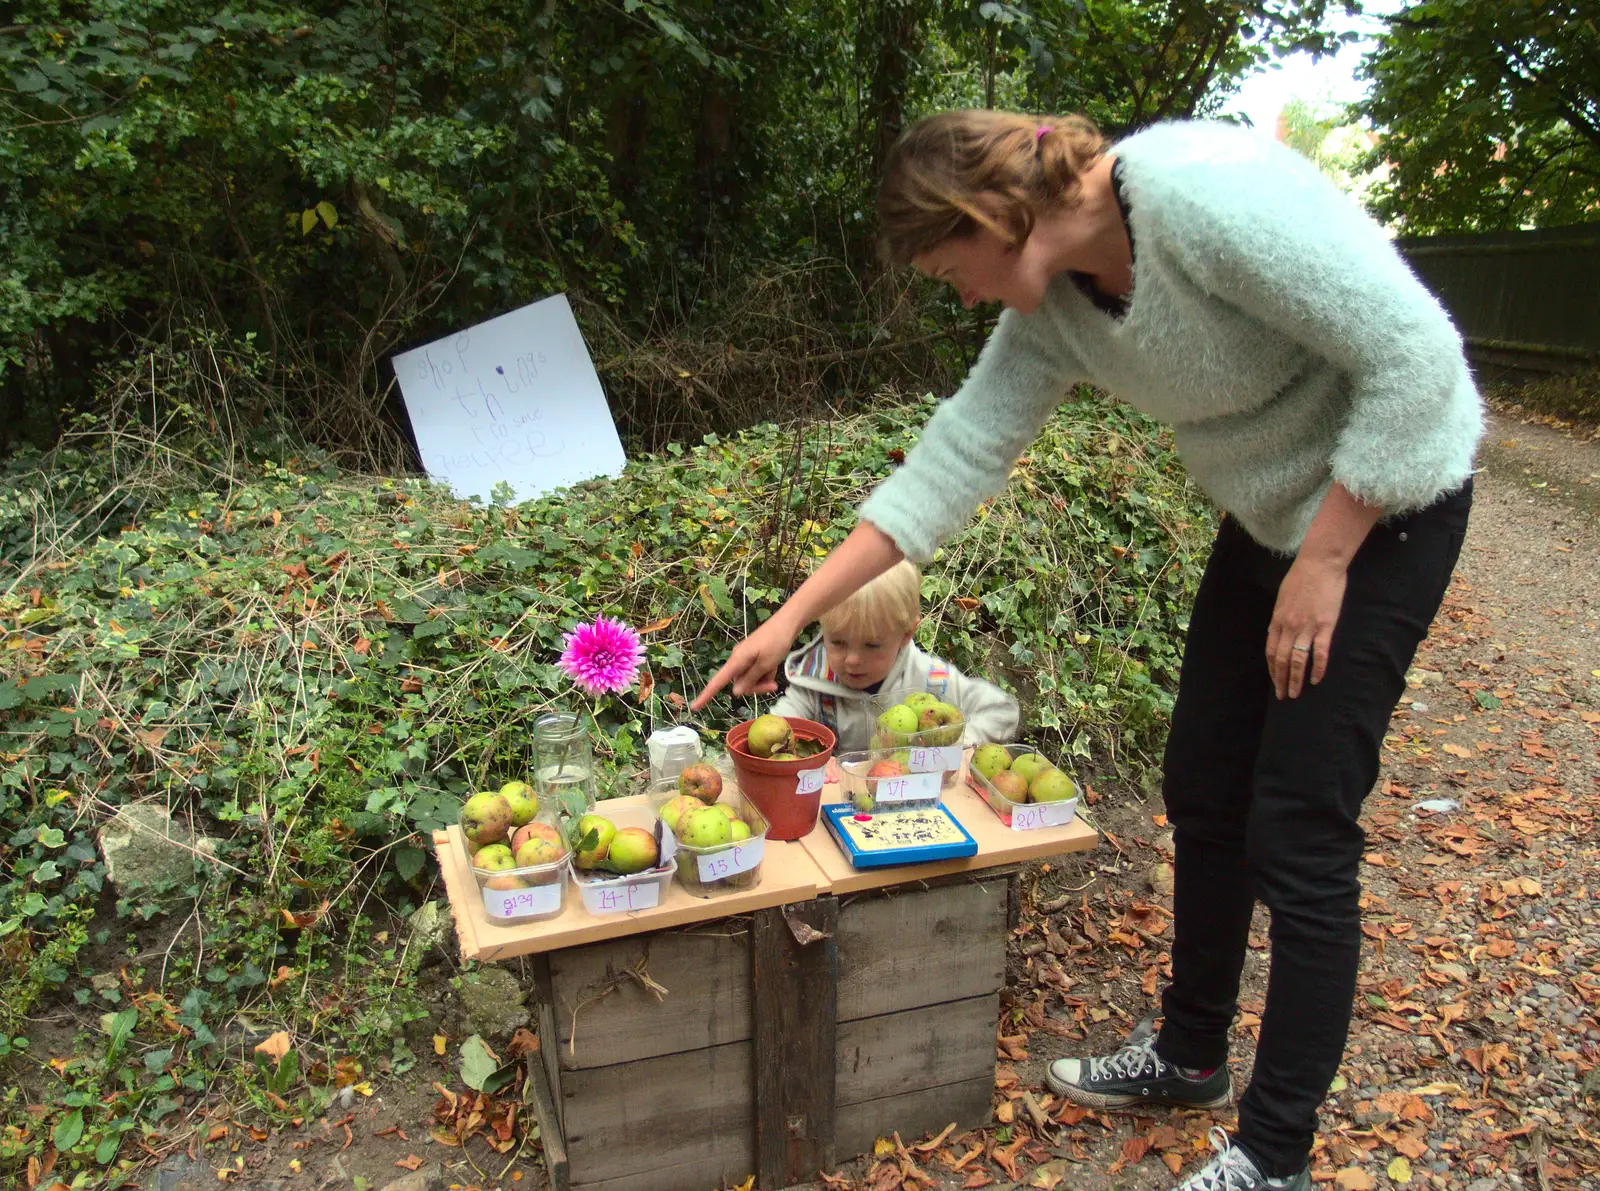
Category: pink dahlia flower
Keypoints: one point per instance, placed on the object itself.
(603, 656)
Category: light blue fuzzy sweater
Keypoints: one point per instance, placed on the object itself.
(1271, 325)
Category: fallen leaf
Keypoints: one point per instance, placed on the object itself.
(409, 1162)
(882, 1148)
(655, 626)
(1353, 1178)
(275, 1047)
(1173, 1160)
(1400, 1171)
(1455, 750)
(439, 1044)
(977, 1178)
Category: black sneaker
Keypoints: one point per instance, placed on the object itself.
(1233, 1170)
(1135, 1074)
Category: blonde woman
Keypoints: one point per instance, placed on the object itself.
(1216, 281)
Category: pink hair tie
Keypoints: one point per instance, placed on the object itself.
(1038, 133)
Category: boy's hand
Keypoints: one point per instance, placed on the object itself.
(752, 667)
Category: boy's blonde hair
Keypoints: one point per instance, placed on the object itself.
(888, 606)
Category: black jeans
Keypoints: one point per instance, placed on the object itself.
(1264, 797)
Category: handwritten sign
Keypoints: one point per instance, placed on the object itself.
(934, 760)
(523, 903)
(619, 898)
(731, 861)
(810, 780)
(514, 400)
(909, 788)
(1034, 815)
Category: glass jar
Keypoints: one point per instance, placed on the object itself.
(563, 764)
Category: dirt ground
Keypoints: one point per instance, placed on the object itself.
(1472, 1059)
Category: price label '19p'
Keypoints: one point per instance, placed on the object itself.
(934, 760)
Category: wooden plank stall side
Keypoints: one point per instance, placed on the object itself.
(705, 972)
(634, 1126)
(916, 1049)
(538, 969)
(914, 946)
(795, 981)
(912, 1115)
(552, 1146)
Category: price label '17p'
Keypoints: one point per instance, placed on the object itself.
(731, 861)
(910, 788)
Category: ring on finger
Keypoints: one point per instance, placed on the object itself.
(1301, 648)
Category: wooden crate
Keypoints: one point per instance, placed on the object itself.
(785, 1042)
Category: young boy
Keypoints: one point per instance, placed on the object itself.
(865, 648)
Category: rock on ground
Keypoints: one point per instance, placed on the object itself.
(493, 1004)
(143, 848)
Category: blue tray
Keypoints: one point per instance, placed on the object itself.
(889, 838)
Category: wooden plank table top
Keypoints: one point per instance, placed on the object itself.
(791, 872)
(788, 874)
(998, 844)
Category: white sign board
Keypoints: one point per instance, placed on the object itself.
(515, 399)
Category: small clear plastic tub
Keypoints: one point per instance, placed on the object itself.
(881, 780)
(516, 895)
(936, 749)
(1022, 813)
(721, 868)
(606, 892)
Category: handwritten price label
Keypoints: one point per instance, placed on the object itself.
(621, 899)
(934, 760)
(729, 862)
(1043, 814)
(519, 903)
(810, 780)
(906, 789)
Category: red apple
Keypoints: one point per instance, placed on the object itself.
(701, 781)
(890, 768)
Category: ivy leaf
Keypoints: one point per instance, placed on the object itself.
(69, 1130)
(308, 220)
(50, 837)
(408, 861)
(1486, 700)
(329, 215)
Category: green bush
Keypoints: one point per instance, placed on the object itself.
(315, 667)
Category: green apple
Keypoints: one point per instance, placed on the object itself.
(770, 734)
(941, 724)
(605, 831)
(1009, 784)
(674, 810)
(1029, 766)
(633, 850)
(899, 720)
(919, 701)
(1052, 786)
(523, 801)
(738, 830)
(704, 828)
(494, 858)
(990, 759)
(486, 819)
(536, 850)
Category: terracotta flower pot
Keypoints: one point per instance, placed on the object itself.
(773, 786)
